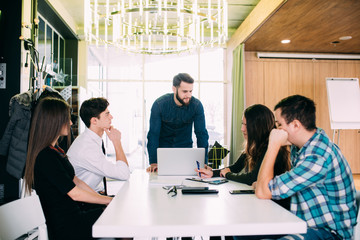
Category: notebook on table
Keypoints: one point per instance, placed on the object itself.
(179, 161)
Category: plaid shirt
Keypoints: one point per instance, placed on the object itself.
(321, 186)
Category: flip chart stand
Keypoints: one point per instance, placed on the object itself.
(344, 104)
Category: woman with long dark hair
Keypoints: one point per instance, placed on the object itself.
(50, 173)
(257, 123)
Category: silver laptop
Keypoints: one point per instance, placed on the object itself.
(179, 161)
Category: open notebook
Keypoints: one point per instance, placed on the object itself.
(179, 161)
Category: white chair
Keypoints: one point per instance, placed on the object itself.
(23, 216)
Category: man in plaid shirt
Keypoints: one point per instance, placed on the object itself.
(320, 182)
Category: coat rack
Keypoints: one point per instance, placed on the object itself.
(39, 73)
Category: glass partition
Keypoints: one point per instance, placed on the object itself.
(133, 82)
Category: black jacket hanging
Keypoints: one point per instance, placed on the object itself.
(15, 139)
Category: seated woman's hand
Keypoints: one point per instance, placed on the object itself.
(207, 167)
(205, 172)
(224, 171)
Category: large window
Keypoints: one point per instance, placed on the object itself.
(132, 83)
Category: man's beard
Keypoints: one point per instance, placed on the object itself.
(180, 100)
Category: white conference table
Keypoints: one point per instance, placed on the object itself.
(142, 208)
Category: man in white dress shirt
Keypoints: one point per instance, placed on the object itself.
(86, 152)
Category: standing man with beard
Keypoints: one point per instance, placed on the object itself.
(171, 120)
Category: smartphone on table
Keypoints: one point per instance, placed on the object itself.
(242, 191)
(198, 190)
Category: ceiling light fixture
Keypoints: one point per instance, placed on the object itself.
(156, 26)
(285, 41)
(345, 38)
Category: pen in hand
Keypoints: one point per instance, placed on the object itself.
(198, 166)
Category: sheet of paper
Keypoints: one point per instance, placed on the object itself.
(207, 179)
(213, 179)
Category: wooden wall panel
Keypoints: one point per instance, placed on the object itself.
(301, 78)
(349, 147)
(254, 83)
(349, 69)
(322, 70)
(349, 139)
(356, 159)
(282, 78)
(251, 56)
(276, 77)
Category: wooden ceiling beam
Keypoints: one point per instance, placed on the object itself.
(312, 26)
(258, 16)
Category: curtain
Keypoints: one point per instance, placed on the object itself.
(238, 102)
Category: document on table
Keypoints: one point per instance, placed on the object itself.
(215, 180)
(180, 180)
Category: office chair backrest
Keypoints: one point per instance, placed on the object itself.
(21, 217)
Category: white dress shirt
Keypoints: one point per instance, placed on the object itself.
(90, 163)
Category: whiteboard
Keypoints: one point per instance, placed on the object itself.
(344, 102)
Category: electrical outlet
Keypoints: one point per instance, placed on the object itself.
(2, 75)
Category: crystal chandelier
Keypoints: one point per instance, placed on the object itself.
(156, 26)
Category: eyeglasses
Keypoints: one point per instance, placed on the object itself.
(172, 191)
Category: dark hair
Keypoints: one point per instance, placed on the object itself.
(300, 108)
(92, 108)
(182, 77)
(49, 118)
(259, 123)
(50, 93)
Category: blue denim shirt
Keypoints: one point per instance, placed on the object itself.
(171, 126)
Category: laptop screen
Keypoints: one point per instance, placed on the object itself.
(179, 161)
